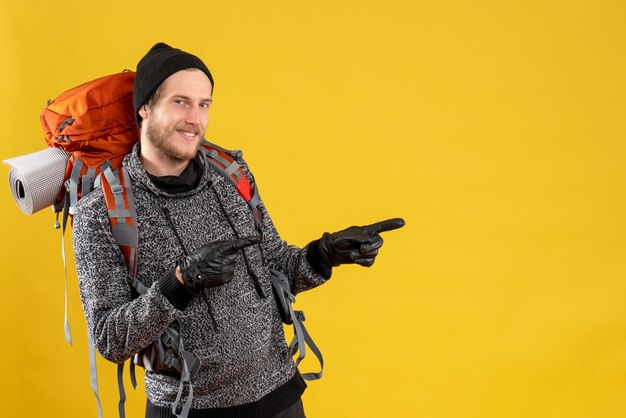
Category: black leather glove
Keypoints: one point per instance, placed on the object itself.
(355, 245)
(213, 264)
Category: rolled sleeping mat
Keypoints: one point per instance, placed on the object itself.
(36, 179)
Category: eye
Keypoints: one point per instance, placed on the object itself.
(205, 105)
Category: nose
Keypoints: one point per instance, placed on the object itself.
(195, 116)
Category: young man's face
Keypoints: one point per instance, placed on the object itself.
(176, 123)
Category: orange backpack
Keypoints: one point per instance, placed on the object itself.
(95, 123)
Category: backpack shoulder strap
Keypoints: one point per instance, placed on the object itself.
(117, 191)
(227, 163)
(118, 196)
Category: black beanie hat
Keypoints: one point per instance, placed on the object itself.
(158, 64)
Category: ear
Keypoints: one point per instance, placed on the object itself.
(143, 112)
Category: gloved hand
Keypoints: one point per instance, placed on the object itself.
(355, 245)
(213, 264)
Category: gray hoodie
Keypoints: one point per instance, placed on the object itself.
(245, 360)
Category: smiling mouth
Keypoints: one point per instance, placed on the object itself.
(188, 134)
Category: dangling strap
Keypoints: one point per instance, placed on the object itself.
(69, 207)
(69, 204)
(184, 378)
(297, 344)
(131, 371)
(93, 374)
(120, 386)
(66, 322)
(122, 392)
(300, 338)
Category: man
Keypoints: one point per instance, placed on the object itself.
(202, 257)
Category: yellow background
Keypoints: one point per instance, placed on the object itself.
(495, 128)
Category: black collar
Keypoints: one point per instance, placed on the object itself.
(188, 179)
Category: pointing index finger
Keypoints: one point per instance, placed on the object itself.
(241, 243)
(383, 226)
